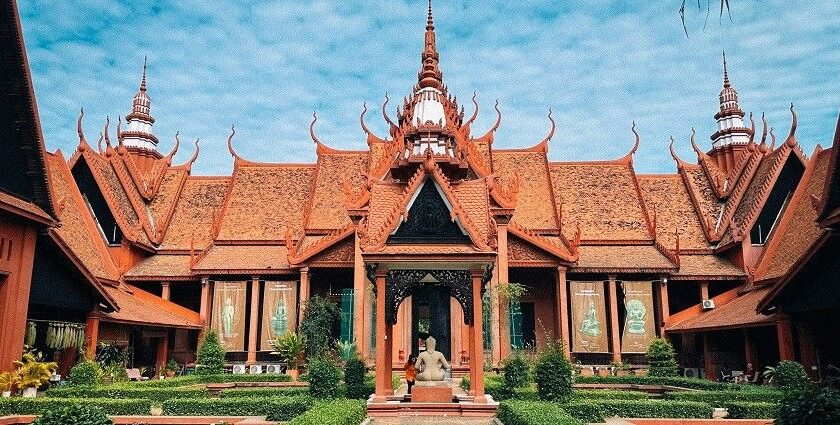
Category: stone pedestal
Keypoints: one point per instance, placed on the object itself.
(425, 393)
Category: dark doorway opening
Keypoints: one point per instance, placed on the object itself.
(430, 315)
(529, 326)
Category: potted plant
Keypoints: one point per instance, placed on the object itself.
(7, 381)
(291, 348)
(621, 369)
(586, 371)
(33, 373)
(171, 368)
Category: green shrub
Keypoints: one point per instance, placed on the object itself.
(354, 379)
(319, 316)
(693, 383)
(608, 395)
(465, 384)
(85, 373)
(812, 405)
(324, 377)
(515, 372)
(516, 412)
(553, 373)
(275, 409)
(751, 410)
(598, 410)
(790, 375)
(335, 412)
(721, 398)
(661, 358)
(211, 355)
(264, 392)
(41, 405)
(78, 414)
(127, 391)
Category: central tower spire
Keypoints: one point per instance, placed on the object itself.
(430, 75)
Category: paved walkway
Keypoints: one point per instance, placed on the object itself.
(431, 420)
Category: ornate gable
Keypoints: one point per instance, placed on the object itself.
(430, 219)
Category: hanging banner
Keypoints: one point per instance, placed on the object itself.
(228, 318)
(589, 318)
(279, 311)
(639, 326)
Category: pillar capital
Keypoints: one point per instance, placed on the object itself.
(562, 269)
(381, 271)
(304, 269)
(612, 277)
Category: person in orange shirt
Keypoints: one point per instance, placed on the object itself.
(411, 371)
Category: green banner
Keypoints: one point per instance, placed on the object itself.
(589, 318)
(228, 318)
(639, 326)
(279, 311)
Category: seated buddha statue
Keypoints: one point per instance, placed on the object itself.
(432, 364)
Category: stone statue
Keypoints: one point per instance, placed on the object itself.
(432, 364)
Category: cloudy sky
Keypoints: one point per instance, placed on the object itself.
(265, 66)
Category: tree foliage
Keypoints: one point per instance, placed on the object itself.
(661, 358)
(553, 373)
(211, 355)
(318, 319)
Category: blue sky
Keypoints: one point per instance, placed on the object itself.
(265, 66)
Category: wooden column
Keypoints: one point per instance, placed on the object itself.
(807, 350)
(709, 357)
(561, 288)
(477, 355)
(704, 290)
(359, 292)
(382, 378)
(750, 356)
(204, 307)
(663, 303)
(455, 322)
(92, 334)
(785, 336)
(304, 293)
(615, 339)
(17, 258)
(164, 290)
(253, 324)
(500, 324)
(162, 352)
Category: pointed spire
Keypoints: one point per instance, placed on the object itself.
(430, 75)
(725, 72)
(143, 80)
(730, 117)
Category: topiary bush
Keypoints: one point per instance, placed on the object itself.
(336, 412)
(790, 375)
(324, 377)
(274, 408)
(553, 373)
(354, 379)
(84, 374)
(517, 412)
(812, 405)
(319, 316)
(78, 414)
(661, 358)
(751, 410)
(515, 372)
(210, 358)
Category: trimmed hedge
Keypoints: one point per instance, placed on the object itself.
(182, 381)
(751, 410)
(158, 395)
(264, 392)
(721, 398)
(693, 383)
(274, 409)
(598, 410)
(41, 405)
(530, 393)
(517, 412)
(335, 412)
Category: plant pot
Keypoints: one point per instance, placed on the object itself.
(293, 373)
(640, 372)
(622, 372)
(30, 392)
(7, 394)
(170, 373)
(603, 372)
(586, 371)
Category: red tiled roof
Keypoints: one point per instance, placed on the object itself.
(163, 203)
(703, 196)
(326, 210)
(140, 307)
(161, 267)
(669, 203)
(23, 208)
(626, 259)
(264, 200)
(535, 203)
(738, 313)
(192, 221)
(708, 267)
(244, 259)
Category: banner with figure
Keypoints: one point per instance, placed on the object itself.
(639, 320)
(228, 318)
(279, 311)
(589, 318)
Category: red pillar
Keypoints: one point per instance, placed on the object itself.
(750, 356)
(253, 336)
(704, 290)
(204, 306)
(304, 293)
(164, 290)
(561, 288)
(383, 378)
(807, 351)
(663, 302)
(708, 357)
(162, 351)
(785, 336)
(477, 355)
(92, 334)
(614, 331)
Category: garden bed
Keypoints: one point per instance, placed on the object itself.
(158, 420)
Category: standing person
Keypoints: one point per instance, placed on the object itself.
(411, 371)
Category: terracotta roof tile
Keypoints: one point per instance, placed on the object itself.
(244, 259)
(707, 266)
(115, 194)
(628, 258)
(738, 313)
(327, 210)
(140, 307)
(535, 207)
(601, 198)
(163, 204)
(264, 200)
(193, 215)
(668, 200)
(702, 192)
(798, 229)
(11, 202)
(161, 266)
(474, 199)
(384, 197)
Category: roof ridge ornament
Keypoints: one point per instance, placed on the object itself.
(791, 139)
(83, 144)
(175, 148)
(430, 75)
(394, 129)
(233, 153)
(312, 129)
(365, 127)
(543, 146)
